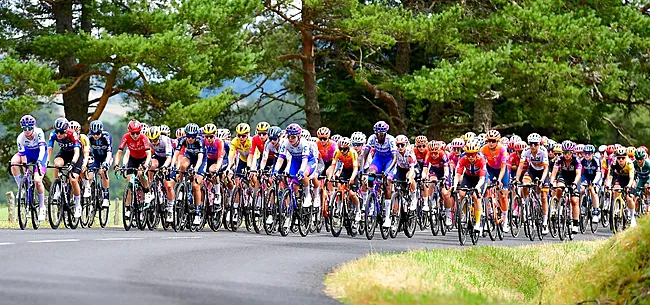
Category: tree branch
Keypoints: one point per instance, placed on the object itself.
(290, 116)
(79, 79)
(332, 38)
(291, 56)
(243, 96)
(106, 94)
(381, 111)
(267, 4)
(510, 125)
(618, 129)
(275, 98)
(146, 89)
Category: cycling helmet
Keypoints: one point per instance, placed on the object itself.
(134, 126)
(380, 127)
(543, 142)
(472, 147)
(358, 138)
(468, 135)
(479, 141)
(75, 126)
(336, 137)
(180, 133)
(519, 146)
(442, 143)
(534, 138)
(557, 148)
(209, 129)
(457, 143)
(61, 124)
(153, 133)
(144, 129)
(550, 144)
(27, 121)
(493, 134)
(275, 131)
(621, 152)
(344, 142)
(305, 134)
(589, 149)
(482, 135)
(610, 149)
(96, 127)
(617, 145)
(630, 151)
(402, 139)
(323, 132)
(640, 154)
(293, 129)
(580, 148)
(644, 148)
(434, 145)
(421, 139)
(223, 133)
(243, 128)
(504, 141)
(602, 148)
(191, 129)
(263, 126)
(164, 130)
(515, 139)
(568, 145)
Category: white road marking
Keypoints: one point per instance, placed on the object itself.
(182, 237)
(6, 244)
(52, 240)
(119, 238)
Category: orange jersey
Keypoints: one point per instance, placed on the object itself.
(349, 161)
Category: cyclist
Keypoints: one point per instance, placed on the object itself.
(349, 168)
(165, 131)
(406, 164)
(194, 156)
(642, 171)
(138, 155)
(497, 163)
(472, 168)
(621, 173)
(358, 140)
(295, 147)
(241, 145)
(436, 166)
(31, 149)
(570, 173)
(256, 151)
(162, 158)
(271, 149)
(224, 135)
(580, 152)
(535, 159)
(85, 149)
(384, 160)
(214, 152)
(69, 153)
(591, 175)
(306, 135)
(515, 158)
(102, 151)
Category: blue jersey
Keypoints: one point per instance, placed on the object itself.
(101, 147)
(67, 144)
(590, 168)
(192, 150)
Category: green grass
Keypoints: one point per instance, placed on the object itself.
(610, 271)
(6, 224)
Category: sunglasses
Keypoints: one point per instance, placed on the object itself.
(356, 144)
(97, 133)
(621, 158)
(323, 139)
(61, 131)
(401, 145)
(640, 159)
(567, 152)
(242, 136)
(345, 149)
(191, 136)
(534, 144)
(380, 134)
(155, 140)
(473, 155)
(421, 146)
(135, 133)
(558, 154)
(273, 138)
(262, 133)
(209, 137)
(293, 137)
(25, 128)
(491, 141)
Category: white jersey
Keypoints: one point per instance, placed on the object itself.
(270, 148)
(301, 151)
(34, 147)
(538, 161)
(163, 148)
(384, 150)
(407, 160)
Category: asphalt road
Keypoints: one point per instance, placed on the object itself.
(111, 266)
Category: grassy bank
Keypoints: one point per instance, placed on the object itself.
(547, 274)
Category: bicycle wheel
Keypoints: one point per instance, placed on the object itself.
(395, 214)
(336, 214)
(55, 204)
(582, 218)
(553, 217)
(539, 219)
(139, 208)
(561, 220)
(616, 218)
(434, 217)
(269, 211)
(594, 225)
(151, 213)
(247, 209)
(514, 216)
(285, 215)
(215, 212)
(490, 223)
(605, 209)
(235, 217)
(462, 217)
(258, 203)
(22, 202)
(410, 224)
(370, 218)
(35, 211)
(567, 212)
(304, 220)
(178, 209)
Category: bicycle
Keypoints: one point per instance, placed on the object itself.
(400, 215)
(618, 218)
(185, 208)
(255, 215)
(532, 215)
(242, 191)
(515, 210)
(465, 219)
(291, 208)
(270, 206)
(133, 193)
(214, 209)
(97, 196)
(157, 213)
(27, 206)
(586, 207)
(423, 217)
(564, 220)
(342, 211)
(493, 212)
(61, 207)
(374, 211)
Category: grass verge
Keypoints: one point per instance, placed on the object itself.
(610, 271)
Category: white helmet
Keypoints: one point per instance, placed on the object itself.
(223, 133)
(534, 138)
(164, 129)
(358, 137)
(305, 134)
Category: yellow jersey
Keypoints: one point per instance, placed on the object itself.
(349, 161)
(242, 148)
(85, 142)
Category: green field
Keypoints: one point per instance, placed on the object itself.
(613, 271)
(6, 224)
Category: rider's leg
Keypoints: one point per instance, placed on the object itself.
(15, 170)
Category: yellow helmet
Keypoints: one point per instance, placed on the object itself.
(263, 126)
(153, 133)
(243, 128)
(209, 129)
(468, 136)
(557, 148)
(472, 147)
(630, 151)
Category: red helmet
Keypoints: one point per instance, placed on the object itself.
(644, 148)
(610, 149)
(134, 126)
(519, 146)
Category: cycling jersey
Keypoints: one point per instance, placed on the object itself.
(406, 160)
(513, 162)
(85, 142)
(478, 168)
(590, 169)
(33, 148)
(301, 151)
(326, 150)
(270, 150)
(537, 161)
(236, 146)
(642, 172)
(137, 148)
(349, 161)
(68, 143)
(215, 150)
(420, 155)
(495, 159)
(192, 150)
(568, 170)
(163, 148)
(257, 146)
(101, 148)
(382, 150)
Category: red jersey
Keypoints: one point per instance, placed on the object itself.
(513, 161)
(438, 162)
(420, 155)
(471, 169)
(137, 148)
(257, 144)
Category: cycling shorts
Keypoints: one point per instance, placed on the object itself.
(380, 165)
(493, 173)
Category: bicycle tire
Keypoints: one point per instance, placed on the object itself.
(567, 211)
(462, 212)
(539, 219)
(553, 217)
(54, 205)
(396, 218)
(304, 220)
(270, 210)
(232, 222)
(257, 205)
(370, 217)
(582, 217)
(22, 203)
(489, 220)
(336, 214)
(285, 213)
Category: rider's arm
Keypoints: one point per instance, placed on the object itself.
(393, 162)
(553, 174)
(147, 162)
(546, 165)
(631, 183)
(578, 174)
(199, 161)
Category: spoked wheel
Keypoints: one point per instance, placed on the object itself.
(410, 224)
(514, 211)
(499, 221)
(370, 218)
(285, 216)
(23, 204)
(470, 221)
(350, 214)
(463, 221)
(490, 223)
(258, 219)
(235, 217)
(55, 204)
(605, 209)
(87, 209)
(215, 211)
(395, 214)
(178, 210)
(529, 220)
(71, 221)
(562, 221)
(151, 213)
(553, 218)
(304, 220)
(539, 220)
(270, 211)
(127, 222)
(434, 217)
(583, 214)
(335, 214)
(616, 216)
(139, 209)
(103, 210)
(569, 219)
(248, 210)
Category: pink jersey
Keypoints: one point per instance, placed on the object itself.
(495, 159)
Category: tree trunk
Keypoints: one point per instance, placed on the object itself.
(402, 64)
(433, 119)
(482, 115)
(75, 102)
(312, 109)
